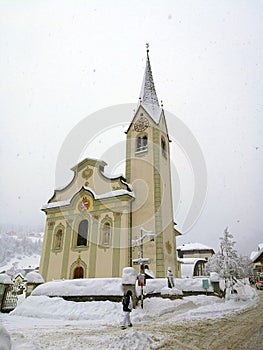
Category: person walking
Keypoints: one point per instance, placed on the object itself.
(127, 308)
(170, 278)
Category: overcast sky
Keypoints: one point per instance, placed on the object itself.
(61, 61)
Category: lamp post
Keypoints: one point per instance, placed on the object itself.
(139, 243)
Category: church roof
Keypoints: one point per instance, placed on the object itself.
(111, 194)
(148, 96)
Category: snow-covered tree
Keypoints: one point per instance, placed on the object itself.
(245, 269)
(227, 263)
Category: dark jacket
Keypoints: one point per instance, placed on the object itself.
(127, 303)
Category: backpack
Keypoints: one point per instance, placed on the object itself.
(125, 302)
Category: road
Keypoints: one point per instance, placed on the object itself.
(244, 331)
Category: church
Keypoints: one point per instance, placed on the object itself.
(93, 223)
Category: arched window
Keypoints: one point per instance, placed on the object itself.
(58, 239)
(105, 233)
(138, 144)
(82, 233)
(163, 145)
(141, 143)
(78, 272)
(144, 142)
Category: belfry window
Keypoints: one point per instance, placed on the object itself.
(141, 143)
(82, 233)
(105, 233)
(163, 145)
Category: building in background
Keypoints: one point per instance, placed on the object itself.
(192, 258)
(257, 259)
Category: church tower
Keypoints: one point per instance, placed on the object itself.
(148, 171)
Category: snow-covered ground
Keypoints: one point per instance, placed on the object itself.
(20, 253)
(22, 262)
(40, 322)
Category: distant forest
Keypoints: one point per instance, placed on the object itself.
(14, 246)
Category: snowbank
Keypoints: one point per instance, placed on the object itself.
(106, 312)
(58, 308)
(80, 287)
(193, 284)
(113, 286)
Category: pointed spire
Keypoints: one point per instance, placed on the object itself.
(148, 97)
(148, 93)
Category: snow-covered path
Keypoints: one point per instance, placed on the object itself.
(158, 326)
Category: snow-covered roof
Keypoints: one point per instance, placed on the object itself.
(34, 277)
(190, 260)
(260, 246)
(56, 204)
(253, 254)
(257, 255)
(193, 246)
(153, 111)
(5, 279)
(110, 194)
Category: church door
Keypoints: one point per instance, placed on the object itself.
(78, 272)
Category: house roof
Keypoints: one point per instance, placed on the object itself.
(256, 257)
(193, 246)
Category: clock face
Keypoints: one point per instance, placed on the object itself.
(141, 124)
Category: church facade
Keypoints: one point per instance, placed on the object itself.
(93, 223)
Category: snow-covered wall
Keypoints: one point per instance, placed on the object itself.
(113, 287)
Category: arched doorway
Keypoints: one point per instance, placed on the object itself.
(78, 272)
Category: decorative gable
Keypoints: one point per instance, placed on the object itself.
(90, 174)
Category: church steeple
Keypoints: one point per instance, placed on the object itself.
(148, 95)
